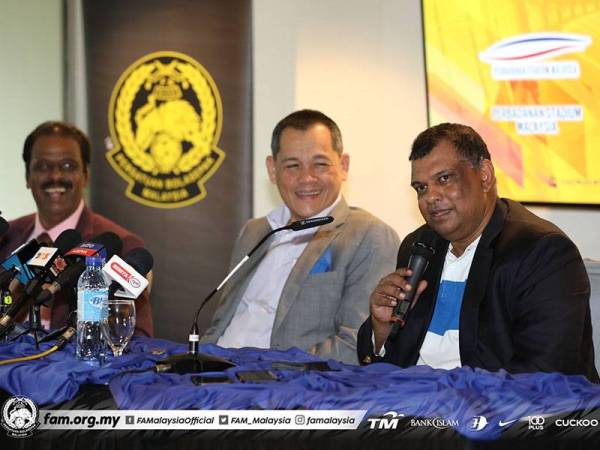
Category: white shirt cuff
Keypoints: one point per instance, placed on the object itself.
(381, 350)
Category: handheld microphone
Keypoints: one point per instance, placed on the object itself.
(194, 362)
(4, 226)
(129, 274)
(422, 252)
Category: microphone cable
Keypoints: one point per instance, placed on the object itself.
(60, 343)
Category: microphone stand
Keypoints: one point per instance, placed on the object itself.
(193, 361)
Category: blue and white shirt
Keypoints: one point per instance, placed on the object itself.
(440, 348)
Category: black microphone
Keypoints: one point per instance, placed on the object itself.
(48, 263)
(16, 264)
(423, 250)
(308, 223)
(193, 362)
(138, 262)
(4, 226)
(106, 244)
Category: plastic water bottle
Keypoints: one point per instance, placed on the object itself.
(92, 294)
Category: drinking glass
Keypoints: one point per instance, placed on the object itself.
(118, 324)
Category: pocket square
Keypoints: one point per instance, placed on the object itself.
(323, 264)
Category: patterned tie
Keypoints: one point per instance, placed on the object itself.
(45, 240)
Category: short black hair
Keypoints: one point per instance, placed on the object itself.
(303, 120)
(57, 128)
(465, 139)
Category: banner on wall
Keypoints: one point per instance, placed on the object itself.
(169, 95)
(524, 74)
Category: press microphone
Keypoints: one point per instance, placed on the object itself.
(193, 362)
(50, 259)
(106, 245)
(16, 264)
(422, 252)
(47, 263)
(129, 274)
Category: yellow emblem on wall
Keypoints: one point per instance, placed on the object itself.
(165, 120)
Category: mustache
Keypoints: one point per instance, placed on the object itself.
(60, 183)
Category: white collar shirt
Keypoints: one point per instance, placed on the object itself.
(252, 322)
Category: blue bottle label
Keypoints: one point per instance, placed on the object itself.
(91, 305)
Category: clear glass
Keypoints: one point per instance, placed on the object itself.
(118, 324)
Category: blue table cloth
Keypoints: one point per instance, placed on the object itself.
(455, 395)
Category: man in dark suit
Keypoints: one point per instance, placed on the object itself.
(505, 289)
(56, 156)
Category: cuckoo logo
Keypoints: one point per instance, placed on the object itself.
(165, 120)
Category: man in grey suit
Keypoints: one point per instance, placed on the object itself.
(309, 288)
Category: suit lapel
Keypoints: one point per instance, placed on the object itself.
(477, 283)
(85, 224)
(313, 251)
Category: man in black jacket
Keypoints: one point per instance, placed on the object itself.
(505, 289)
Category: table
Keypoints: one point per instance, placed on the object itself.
(437, 407)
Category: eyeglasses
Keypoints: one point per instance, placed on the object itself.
(64, 166)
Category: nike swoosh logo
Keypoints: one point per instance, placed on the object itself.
(508, 422)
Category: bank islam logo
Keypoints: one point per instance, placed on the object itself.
(19, 417)
(165, 120)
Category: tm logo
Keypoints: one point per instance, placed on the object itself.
(389, 421)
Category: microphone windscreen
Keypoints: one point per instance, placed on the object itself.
(140, 259)
(4, 226)
(425, 245)
(67, 240)
(310, 223)
(111, 242)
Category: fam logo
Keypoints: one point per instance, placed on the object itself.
(19, 417)
(389, 421)
(165, 120)
(529, 56)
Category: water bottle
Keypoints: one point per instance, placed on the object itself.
(92, 294)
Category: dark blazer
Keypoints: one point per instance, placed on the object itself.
(90, 225)
(525, 306)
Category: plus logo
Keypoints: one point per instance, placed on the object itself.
(536, 422)
(389, 421)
